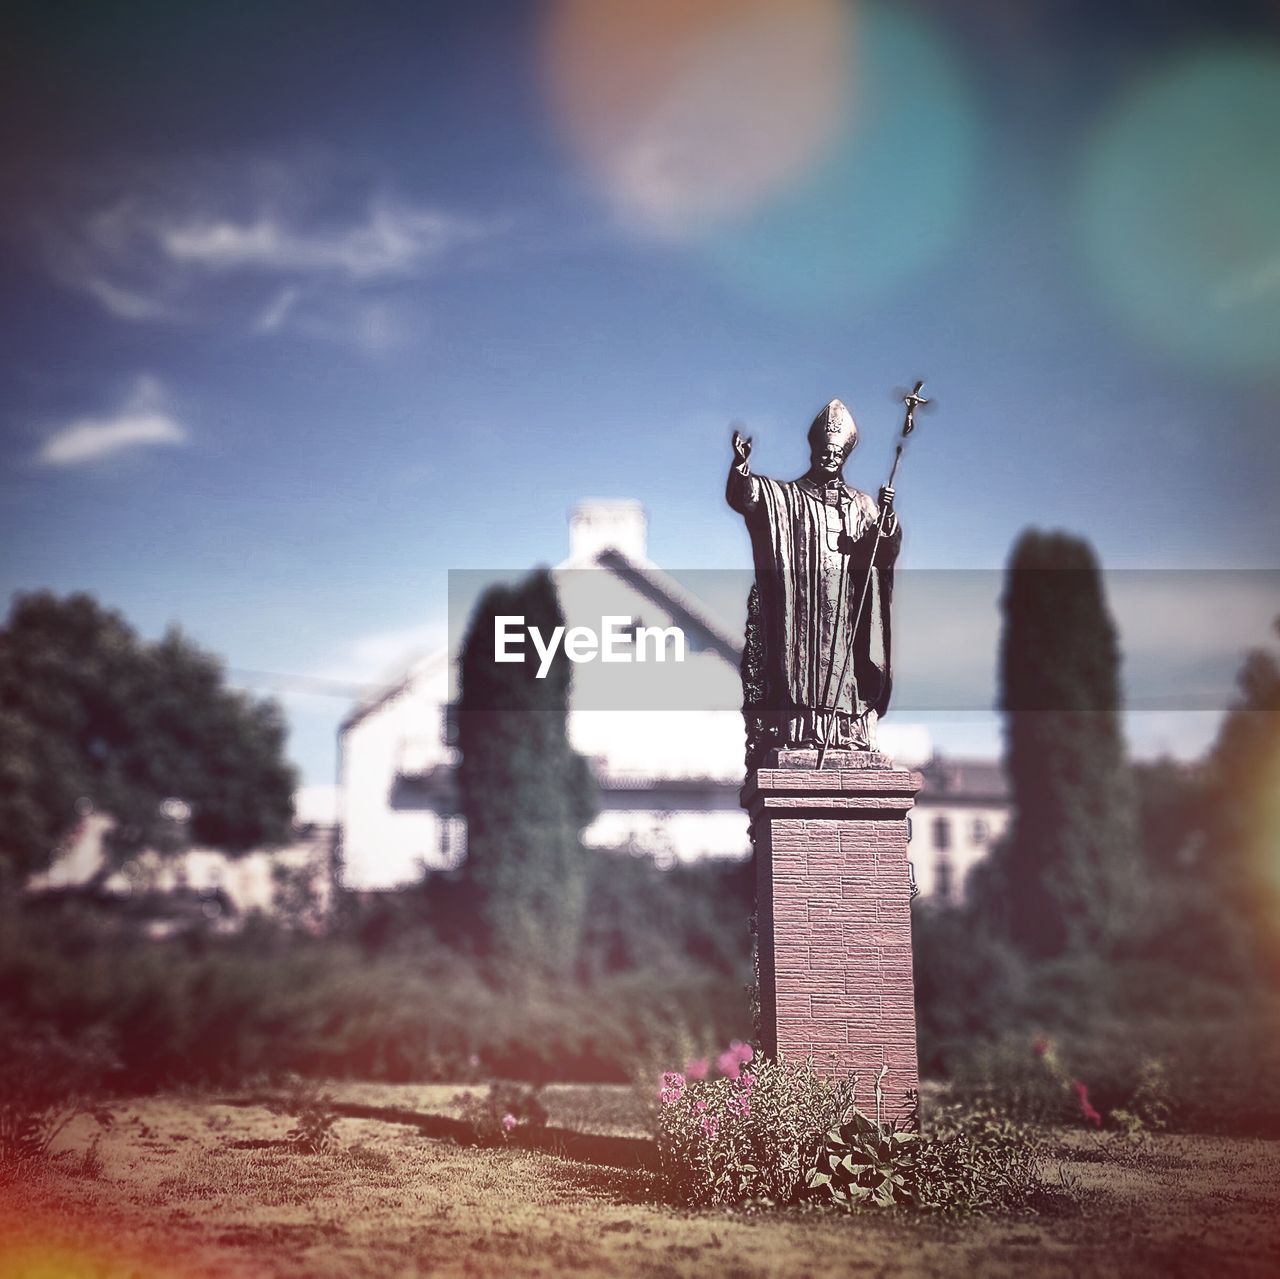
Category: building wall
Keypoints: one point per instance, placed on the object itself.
(235, 886)
(388, 839)
(948, 840)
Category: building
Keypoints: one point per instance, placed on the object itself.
(668, 779)
(961, 810)
(162, 893)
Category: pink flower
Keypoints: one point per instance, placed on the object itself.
(672, 1087)
(1040, 1046)
(744, 1105)
(509, 1121)
(746, 1080)
(728, 1064)
(1087, 1112)
(710, 1126)
(697, 1068)
(700, 1106)
(731, 1061)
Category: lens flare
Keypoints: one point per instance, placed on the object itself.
(689, 111)
(1179, 210)
(891, 194)
(35, 1245)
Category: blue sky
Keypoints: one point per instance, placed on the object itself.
(307, 304)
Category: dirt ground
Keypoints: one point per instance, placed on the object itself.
(198, 1186)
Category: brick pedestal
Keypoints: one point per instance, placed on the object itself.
(834, 915)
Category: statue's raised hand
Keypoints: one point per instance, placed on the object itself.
(741, 446)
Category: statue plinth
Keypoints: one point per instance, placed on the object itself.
(833, 902)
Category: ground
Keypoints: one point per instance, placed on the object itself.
(203, 1186)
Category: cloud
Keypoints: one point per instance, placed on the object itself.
(373, 325)
(141, 421)
(388, 240)
(306, 248)
(276, 312)
(122, 303)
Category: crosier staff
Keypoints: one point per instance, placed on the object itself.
(913, 400)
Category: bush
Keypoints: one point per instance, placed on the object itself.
(863, 1162)
(776, 1132)
(503, 1109)
(1212, 1076)
(977, 1161)
(268, 1002)
(314, 1116)
(46, 1080)
(749, 1136)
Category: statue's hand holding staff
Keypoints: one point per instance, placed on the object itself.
(886, 500)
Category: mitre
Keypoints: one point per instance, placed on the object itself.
(835, 422)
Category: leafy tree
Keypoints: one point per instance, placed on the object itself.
(89, 711)
(1067, 870)
(526, 795)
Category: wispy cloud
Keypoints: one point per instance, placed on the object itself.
(141, 421)
(302, 248)
(121, 302)
(272, 316)
(388, 240)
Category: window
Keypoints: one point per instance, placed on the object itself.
(942, 878)
(942, 833)
(453, 840)
(979, 833)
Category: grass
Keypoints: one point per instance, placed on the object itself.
(192, 1186)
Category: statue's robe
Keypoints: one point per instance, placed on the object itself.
(812, 544)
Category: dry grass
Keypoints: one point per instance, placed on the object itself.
(180, 1190)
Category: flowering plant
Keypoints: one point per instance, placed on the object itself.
(750, 1134)
(495, 1115)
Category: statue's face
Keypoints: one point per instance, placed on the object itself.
(828, 455)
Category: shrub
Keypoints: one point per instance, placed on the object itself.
(231, 1010)
(976, 1161)
(46, 1080)
(863, 1162)
(775, 1132)
(502, 1109)
(971, 1161)
(313, 1115)
(1016, 1076)
(749, 1136)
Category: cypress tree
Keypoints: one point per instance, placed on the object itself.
(525, 794)
(1067, 870)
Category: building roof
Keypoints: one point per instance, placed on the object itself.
(964, 781)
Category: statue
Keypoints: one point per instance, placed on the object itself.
(824, 555)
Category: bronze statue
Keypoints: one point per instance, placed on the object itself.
(824, 555)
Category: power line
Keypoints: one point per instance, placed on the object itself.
(288, 682)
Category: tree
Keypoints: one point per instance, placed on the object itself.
(89, 711)
(1067, 869)
(526, 795)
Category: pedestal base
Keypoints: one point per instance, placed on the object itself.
(833, 899)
